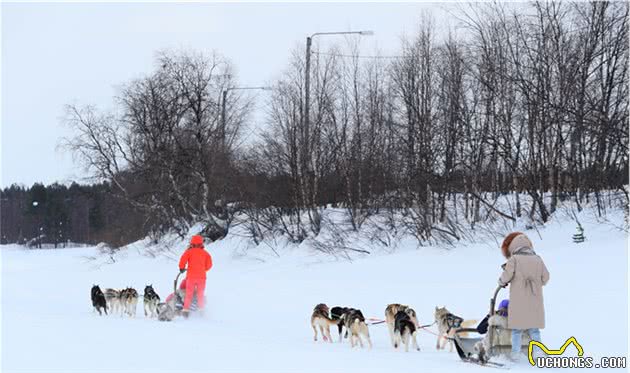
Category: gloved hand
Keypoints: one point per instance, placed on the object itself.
(182, 270)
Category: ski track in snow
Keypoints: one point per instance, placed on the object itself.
(257, 317)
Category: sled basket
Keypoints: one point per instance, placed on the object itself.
(465, 346)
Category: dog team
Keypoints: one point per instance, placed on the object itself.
(402, 324)
(124, 301)
(195, 261)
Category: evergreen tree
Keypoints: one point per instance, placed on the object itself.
(579, 237)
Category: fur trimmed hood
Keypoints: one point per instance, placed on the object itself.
(515, 241)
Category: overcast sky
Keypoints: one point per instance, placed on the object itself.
(56, 54)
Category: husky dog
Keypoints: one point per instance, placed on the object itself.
(112, 296)
(404, 329)
(354, 321)
(390, 316)
(98, 300)
(150, 300)
(320, 318)
(129, 301)
(336, 313)
(447, 325)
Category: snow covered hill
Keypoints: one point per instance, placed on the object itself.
(258, 312)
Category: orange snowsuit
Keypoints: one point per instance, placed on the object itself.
(199, 262)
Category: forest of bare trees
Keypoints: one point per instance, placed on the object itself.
(528, 105)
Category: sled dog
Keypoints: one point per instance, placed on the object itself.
(404, 330)
(336, 313)
(390, 315)
(354, 322)
(112, 296)
(129, 301)
(98, 300)
(321, 319)
(151, 301)
(447, 324)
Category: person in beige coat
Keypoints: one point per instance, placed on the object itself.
(526, 274)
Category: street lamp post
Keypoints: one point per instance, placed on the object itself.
(307, 68)
(224, 107)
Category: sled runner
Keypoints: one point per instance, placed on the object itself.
(497, 341)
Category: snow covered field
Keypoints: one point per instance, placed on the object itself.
(258, 312)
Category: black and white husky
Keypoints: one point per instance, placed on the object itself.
(151, 301)
(98, 300)
(354, 321)
(404, 330)
(390, 318)
(336, 313)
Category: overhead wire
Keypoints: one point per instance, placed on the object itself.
(357, 56)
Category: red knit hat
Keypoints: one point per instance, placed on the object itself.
(196, 240)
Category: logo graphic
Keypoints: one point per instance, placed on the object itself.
(559, 351)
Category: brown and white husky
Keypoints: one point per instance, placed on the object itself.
(129, 301)
(321, 319)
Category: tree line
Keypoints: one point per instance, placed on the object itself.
(528, 104)
(58, 214)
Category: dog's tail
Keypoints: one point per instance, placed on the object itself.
(412, 330)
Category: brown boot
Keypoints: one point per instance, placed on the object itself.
(185, 313)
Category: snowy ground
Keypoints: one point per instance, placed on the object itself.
(258, 314)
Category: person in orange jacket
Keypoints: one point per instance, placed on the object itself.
(198, 261)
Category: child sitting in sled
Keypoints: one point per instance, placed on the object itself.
(502, 311)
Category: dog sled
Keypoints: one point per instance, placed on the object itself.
(174, 303)
(180, 294)
(496, 342)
